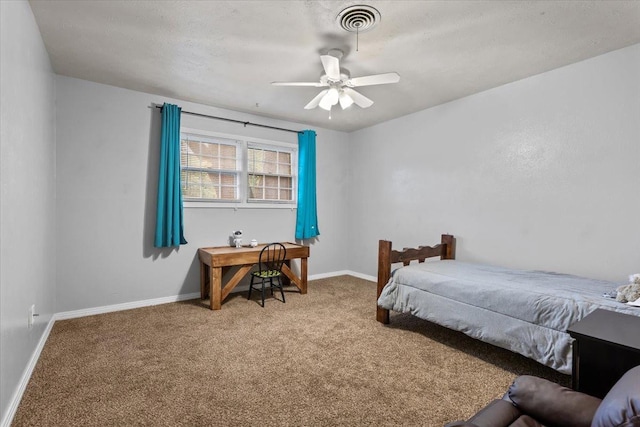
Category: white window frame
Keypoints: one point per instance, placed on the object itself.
(243, 202)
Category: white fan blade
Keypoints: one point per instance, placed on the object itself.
(315, 101)
(312, 84)
(331, 66)
(361, 100)
(376, 79)
(345, 100)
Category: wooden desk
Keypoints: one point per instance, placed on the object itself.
(607, 345)
(213, 260)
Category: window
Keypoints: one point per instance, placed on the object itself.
(218, 169)
(270, 174)
(209, 168)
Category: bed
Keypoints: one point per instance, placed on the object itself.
(527, 312)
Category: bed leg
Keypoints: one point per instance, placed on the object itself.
(382, 315)
(384, 274)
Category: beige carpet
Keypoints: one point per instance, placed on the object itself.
(321, 359)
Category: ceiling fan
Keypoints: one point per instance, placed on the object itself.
(340, 85)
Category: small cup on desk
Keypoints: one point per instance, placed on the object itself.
(254, 243)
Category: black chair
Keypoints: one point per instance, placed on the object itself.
(272, 258)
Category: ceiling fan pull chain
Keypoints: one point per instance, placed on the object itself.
(357, 37)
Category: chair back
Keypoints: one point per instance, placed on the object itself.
(272, 257)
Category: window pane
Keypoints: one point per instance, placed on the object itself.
(228, 179)
(285, 195)
(192, 192)
(193, 147)
(204, 158)
(254, 160)
(228, 151)
(228, 193)
(209, 149)
(271, 181)
(209, 192)
(284, 169)
(193, 160)
(270, 156)
(228, 164)
(271, 193)
(256, 180)
(215, 164)
(211, 178)
(285, 182)
(284, 157)
(207, 162)
(270, 168)
(256, 193)
(193, 177)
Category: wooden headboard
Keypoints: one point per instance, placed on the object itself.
(388, 256)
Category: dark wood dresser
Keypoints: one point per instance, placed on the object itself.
(607, 344)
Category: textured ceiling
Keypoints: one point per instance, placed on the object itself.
(226, 53)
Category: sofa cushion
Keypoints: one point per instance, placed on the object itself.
(497, 413)
(621, 406)
(525, 421)
(551, 404)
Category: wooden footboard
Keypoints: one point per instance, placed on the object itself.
(388, 256)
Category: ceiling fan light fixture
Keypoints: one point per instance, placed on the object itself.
(333, 96)
(329, 99)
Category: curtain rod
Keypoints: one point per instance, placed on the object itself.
(236, 121)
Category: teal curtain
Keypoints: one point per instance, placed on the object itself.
(307, 216)
(169, 228)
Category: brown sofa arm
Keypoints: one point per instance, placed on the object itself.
(550, 403)
(499, 413)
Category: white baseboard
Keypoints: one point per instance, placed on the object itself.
(124, 306)
(327, 275)
(363, 276)
(26, 376)
(342, 273)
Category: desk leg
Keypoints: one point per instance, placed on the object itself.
(203, 280)
(285, 279)
(303, 275)
(215, 284)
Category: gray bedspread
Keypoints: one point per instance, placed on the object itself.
(524, 311)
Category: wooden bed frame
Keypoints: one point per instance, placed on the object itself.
(387, 256)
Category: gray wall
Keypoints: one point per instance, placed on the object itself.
(27, 200)
(107, 160)
(541, 173)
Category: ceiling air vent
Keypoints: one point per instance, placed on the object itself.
(358, 18)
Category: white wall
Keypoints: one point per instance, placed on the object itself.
(541, 173)
(27, 200)
(107, 160)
